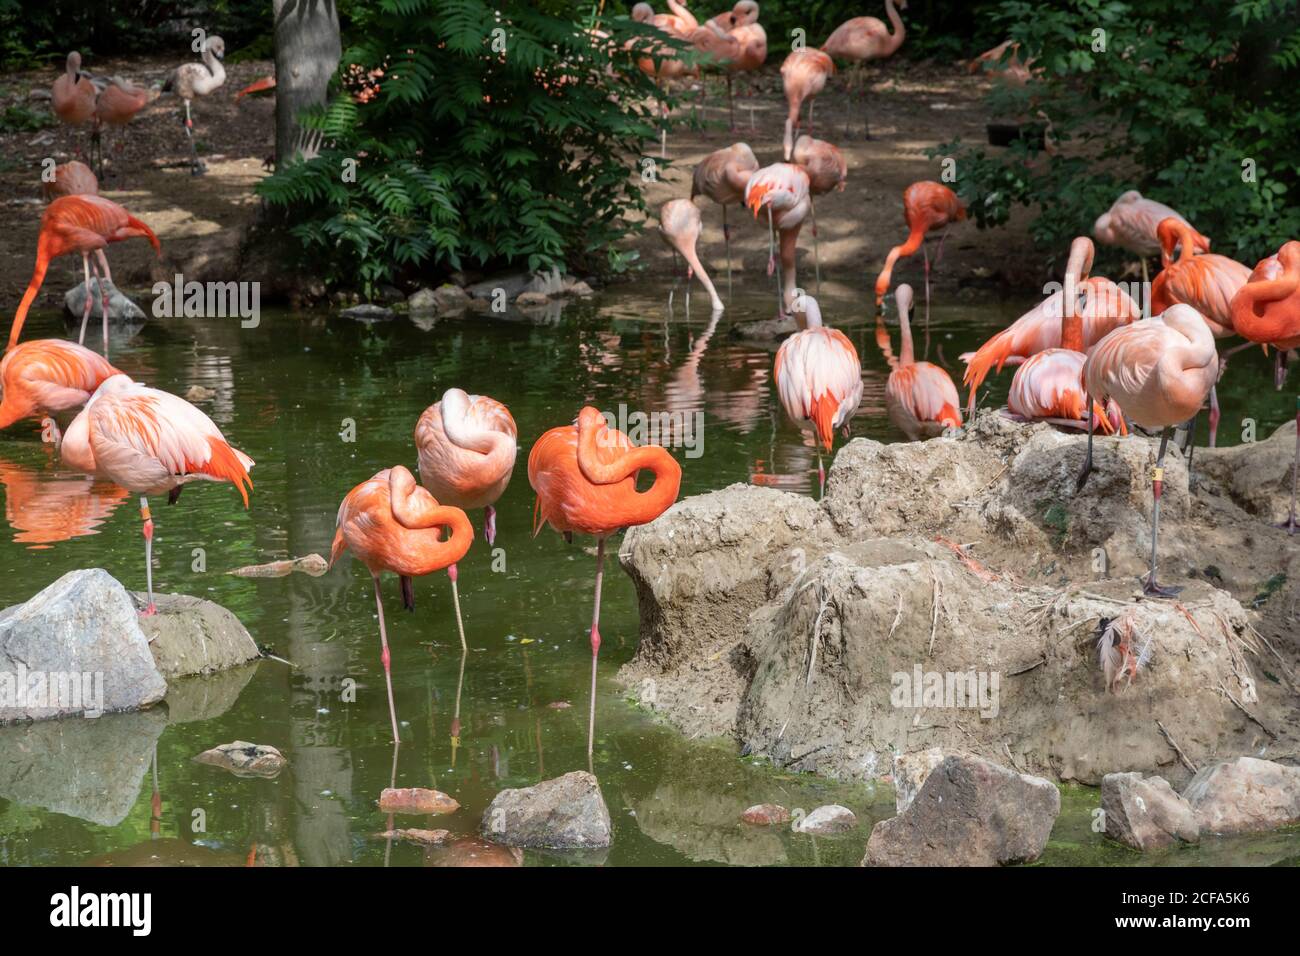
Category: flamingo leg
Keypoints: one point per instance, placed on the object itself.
(925, 253)
(195, 166)
(1149, 586)
(1086, 470)
(455, 600)
(85, 309)
(726, 239)
(106, 278)
(1279, 369)
(1290, 524)
(595, 645)
(386, 658)
(490, 525)
(1191, 445)
(821, 474)
(1214, 417)
(148, 555)
(817, 262)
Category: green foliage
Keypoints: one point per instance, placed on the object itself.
(1185, 102)
(441, 151)
(19, 119)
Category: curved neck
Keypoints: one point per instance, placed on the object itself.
(455, 414)
(1267, 290)
(33, 287)
(416, 510)
(895, 38)
(686, 16)
(644, 505)
(906, 356)
(1076, 273)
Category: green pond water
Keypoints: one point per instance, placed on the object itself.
(81, 791)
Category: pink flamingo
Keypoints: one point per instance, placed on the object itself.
(750, 52)
(863, 39)
(73, 95)
(803, 76)
(783, 189)
(149, 442)
(827, 171)
(679, 227)
(44, 377)
(920, 397)
(198, 79)
(661, 65)
(927, 206)
(72, 178)
(1160, 371)
(1131, 224)
(723, 176)
(818, 380)
(392, 524)
(117, 105)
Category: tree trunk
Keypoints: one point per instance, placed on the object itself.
(307, 52)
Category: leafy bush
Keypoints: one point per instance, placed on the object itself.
(476, 136)
(1194, 104)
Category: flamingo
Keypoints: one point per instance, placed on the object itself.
(679, 226)
(1267, 310)
(783, 189)
(1015, 72)
(661, 65)
(1206, 282)
(83, 224)
(921, 398)
(1131, 224)
(44, 508)
(262, 85)
(1105, 307)
(818, 380)
(863, 39)
(72, 178)
(585, 477)
(927, 206)
(1160, 371)
(803, 76)
(741, 24)
(827, 171)
(117, 105)
(73, 94)
(198, 79)
(149, 442)
(392, 524)
(44, 377)
(723, 176)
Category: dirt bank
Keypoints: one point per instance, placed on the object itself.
(785, 623)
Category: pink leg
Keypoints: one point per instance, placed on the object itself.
(455, 599)
(490, 525)
(148, 555)
(1214, 415)
(85, 309)
(821, 474)
(387, 660)
(103, 293)
(595, 644)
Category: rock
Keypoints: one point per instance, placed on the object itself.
(532, 300)
(189, 635)
(766, 815)
(969, 812)
(199, 393)
(76, 648)
(121, 310)
(244, 759)
(416, 800)
(368, 312)
(1146, 814)
(451, 298)
(764, 330)
(567, 812)
(312, 564)
(581, 289)
(422, 300)
(828, 820)
(418, 837)
(559, 705)
(508, 286)
(1246, 795)
(910, 771)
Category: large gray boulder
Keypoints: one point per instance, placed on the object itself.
(1146, 813)
(565, 813)
(121, 310)
(970, 812)
(78, 647)
(189, 635)
(1245, 795)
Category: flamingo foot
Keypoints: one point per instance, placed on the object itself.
(150, 611)
(771, 268)
(1082, 480)
(1290, 525)
(1151, 589)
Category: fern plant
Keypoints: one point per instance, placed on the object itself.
(465, 135)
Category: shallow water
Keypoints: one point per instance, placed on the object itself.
(75, 791)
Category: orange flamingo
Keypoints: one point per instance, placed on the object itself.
(783, 189)
(750, 51)
(1160, 371)
(863, 39)
(818, 380)
(827, 171)
(117, 105)
(263, 85)
(72, 178)
(723, 176)
(927, 206)
(585, 477)
(82, 224)
(1267, 310)
(920, 397)
(1104, 307)
(679, 227)
(392, 524)
(73, 94)
(1131, 224)
(149, 442)
(44, 377)
(803, 75)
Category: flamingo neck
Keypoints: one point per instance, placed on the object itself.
(906, 355)
(896, 21)
(1076, 273)
(639, 506)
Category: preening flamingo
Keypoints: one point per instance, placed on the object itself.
(392, 524)
(1160, 370)
(920, 397)
(1104, 307)
(1267, 310)
(827, 171)
(44, 377)
(863, 39)
(818, 380)
(73, 95)
(783, 189)
(117, 105)
(927, 206)
(149, 442)
(81, 224)
(585, 477)
(1131, 224)
(198, 79)
(72, 178)
(679, 226)
(803, 76)
(741, 24)
(723, 176)
(1014, 72)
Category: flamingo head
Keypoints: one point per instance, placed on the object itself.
(216, 46)
(74, 63)
(643, 13)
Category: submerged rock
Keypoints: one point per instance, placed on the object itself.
(244, 759)
(1146, 813)
(969, 812)
(416, 800)
(418, 837)
(473, 852)
(189, 635)
(312, 564)
(121, 310)
(766, 815)
(565, 813)
(828, 820)
(1245, 795)
(368, 312)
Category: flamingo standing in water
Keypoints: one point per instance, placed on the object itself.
(783, 189)
(117, 105)
(803, 75)
(149, 442)
(392, 524)
(585, 477)
(1131, 224)
(82, 224)
(1267, 310)
(198, 79)
(818, 379)
(741, 24)
(723, 176)
(927, 206)
(1105, 307)
(863, 39)
(72, 178)
(44, 377)
(1160, 370)
(827, 171)
(920, 397)
(73, 95)
(679, 226)
(662, 66)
